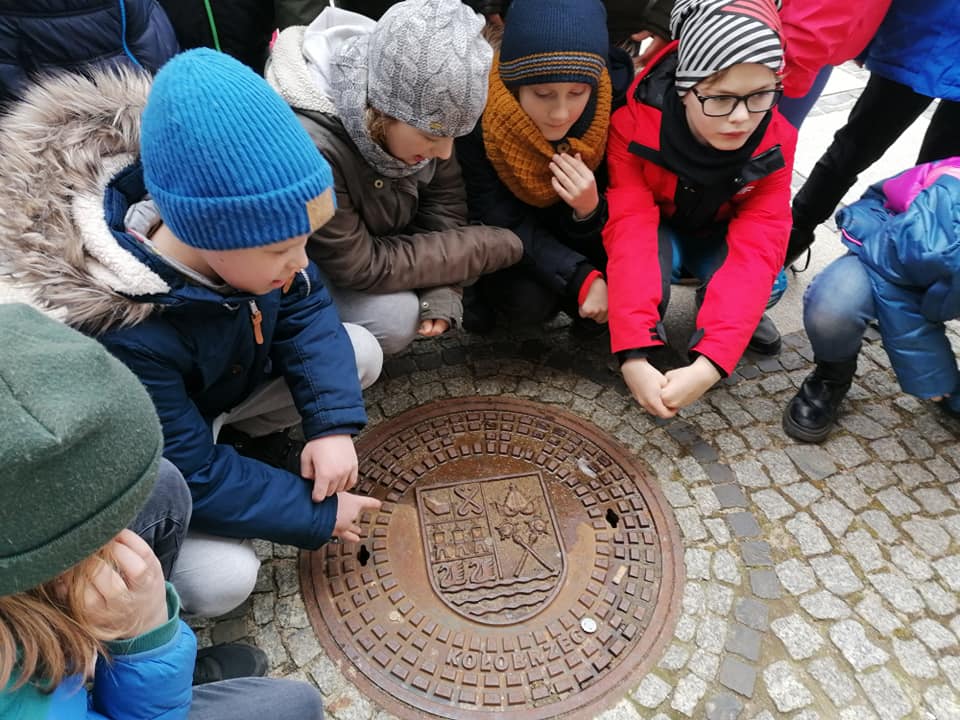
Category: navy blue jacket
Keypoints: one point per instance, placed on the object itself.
(42, 36)
(913, 260)
(198, 357)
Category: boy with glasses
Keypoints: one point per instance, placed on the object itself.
(700, 164)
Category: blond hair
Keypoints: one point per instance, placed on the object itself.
(377, 124)
(47, 633)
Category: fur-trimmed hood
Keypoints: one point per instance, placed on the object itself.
(59, 148)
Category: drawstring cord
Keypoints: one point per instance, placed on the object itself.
(213, 24)
(123, 34)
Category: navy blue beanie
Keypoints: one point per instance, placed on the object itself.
(226, 160)
(548, 41)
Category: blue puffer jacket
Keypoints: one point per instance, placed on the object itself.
(199, 357)
(47, 35)
(917, 45)
(913, 260)
(146, 678)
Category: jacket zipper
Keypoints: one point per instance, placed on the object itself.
(256, 319)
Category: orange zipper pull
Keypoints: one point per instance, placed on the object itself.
(256, 319)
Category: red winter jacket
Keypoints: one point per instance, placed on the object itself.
(818, 33)
(641, 192)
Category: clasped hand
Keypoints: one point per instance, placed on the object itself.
(575, 183)
(664, 394)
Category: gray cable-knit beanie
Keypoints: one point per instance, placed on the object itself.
(429, 66)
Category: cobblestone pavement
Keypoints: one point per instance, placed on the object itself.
(821, 581)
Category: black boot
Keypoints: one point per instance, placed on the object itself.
(223, 662)
(812, 411)
(765, 339)
(277, 449)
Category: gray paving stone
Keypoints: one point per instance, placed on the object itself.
(911, 474)
(796, 576)
(723, 707)
(802, 493)
(850, 491)
(744, 641)
(785, 688)
(764, 584)
(835, 517)
(686, 628)
(836, 575)
(861, 545)
(676, 494)
(896, 502)
(690, 524)
(325, 675)
(719, 599)
(952, 522)
(623, 710)
(725, 567)
(756, 553)
(949, 569)
(743, 524)
(888, 450)
(857, 712)
(674, 658)
(934, 635)
(349, 704)
(851, 640)
(730, 495)
(938, 600)
(885, 694)
(799, 637)
(719, 473)
(750, 473)
(779, 466)
(914, 658)
(950, 665)
(942, 703)
(912, 565)
(690, 690)
(881, 524)
(942, 470)
(808, 534)
(704, 664)
(934, 500)
(872, 610)
(690, 470)
(846, 450)
(772, 504)
(824, 605)
(738, 676)
(652, 691)
(694, 599)
(929, 535)
(697, 563)
(835, 683)
(862, 426)
(706, 500)
(717, 527)
(898, 591)
(752, 613)
(875, 476)
(812, 460)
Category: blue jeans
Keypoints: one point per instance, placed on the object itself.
(163, 520)
(256, 699)
(837, 307)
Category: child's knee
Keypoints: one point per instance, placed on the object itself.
(398, 318)
(368, 353)
(214, 575)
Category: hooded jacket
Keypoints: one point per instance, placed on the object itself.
(904, 230)
(388, 234)
(755, 209)
(44, 36)
(69, 170)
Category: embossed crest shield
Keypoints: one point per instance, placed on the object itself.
(492, 547)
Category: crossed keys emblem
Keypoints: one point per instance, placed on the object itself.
(470, 504)
(522, 525)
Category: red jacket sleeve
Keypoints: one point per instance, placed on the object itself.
(757, 235)
(630, 238)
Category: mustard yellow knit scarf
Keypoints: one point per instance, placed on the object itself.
(521, 154)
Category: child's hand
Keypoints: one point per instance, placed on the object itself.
(646, 383)
(685, 385)
(349, 509)
(130, 600)
(595, 304)
(432, 328)
(575, 184)
(656, 45)
(331, 462)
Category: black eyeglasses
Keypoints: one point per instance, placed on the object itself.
(723, 105)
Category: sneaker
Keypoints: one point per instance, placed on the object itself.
(277, 449)
(778, 289)
(765, 339)
(233, 660)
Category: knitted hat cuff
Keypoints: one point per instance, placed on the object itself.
(33, 567)
(552, 67)
(249, 221)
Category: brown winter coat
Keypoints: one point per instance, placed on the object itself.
(393, 234)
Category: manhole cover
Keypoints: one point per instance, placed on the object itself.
(521, 566)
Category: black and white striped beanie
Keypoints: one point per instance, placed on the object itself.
(717, 34)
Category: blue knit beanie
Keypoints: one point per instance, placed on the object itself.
(225, 158)
(548, 41)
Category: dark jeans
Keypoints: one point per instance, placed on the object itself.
(163, 520)
(883, 111)
(256, 699)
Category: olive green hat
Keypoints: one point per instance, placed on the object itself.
(79, 447)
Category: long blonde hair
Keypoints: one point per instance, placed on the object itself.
(46, 633)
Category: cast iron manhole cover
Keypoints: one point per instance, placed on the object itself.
(522, 566)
